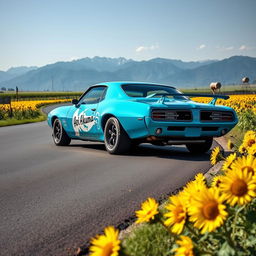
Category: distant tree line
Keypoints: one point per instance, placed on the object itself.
(7, 89)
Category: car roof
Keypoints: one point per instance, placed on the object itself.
(119, 83)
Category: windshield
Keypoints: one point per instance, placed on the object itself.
(151, 91)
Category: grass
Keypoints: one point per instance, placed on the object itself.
(225, 89)
(236, 136)
(150, 240)
(14, 121)
(41, 95)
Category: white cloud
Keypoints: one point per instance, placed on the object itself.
(146, 48)
(228, 48)
(202, 46)
(243, 47)
(140, 49)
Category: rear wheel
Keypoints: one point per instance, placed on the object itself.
(116, 139)
(59, 135)
(199, 148)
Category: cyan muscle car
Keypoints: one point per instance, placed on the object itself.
(125, 114)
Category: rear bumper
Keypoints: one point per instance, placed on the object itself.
(188, 129)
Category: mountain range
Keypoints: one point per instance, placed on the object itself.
(77, 75)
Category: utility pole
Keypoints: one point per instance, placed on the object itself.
(52, 83)
(17, 93)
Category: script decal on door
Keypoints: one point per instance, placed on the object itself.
(82, 122)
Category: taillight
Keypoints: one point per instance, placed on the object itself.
(217, 116)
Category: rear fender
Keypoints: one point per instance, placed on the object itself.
(131, 115)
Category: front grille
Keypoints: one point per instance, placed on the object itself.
(216, 116)
(171, 115)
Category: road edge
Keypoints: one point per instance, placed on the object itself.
(128, 225)
(221, 141)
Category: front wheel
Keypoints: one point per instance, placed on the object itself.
(199, 148)
(116, 139)
(59, 135)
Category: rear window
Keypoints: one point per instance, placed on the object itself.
(151, 91)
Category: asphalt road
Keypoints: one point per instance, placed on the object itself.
(53, 199)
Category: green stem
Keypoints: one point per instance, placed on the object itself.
(229, 238)
(205, 252)
(205, 243)
(233, 233)
(192, 231)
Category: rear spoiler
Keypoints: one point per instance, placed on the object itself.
(213, 101)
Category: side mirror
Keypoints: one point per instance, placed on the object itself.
(74, 101)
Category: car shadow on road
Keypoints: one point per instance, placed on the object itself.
(148, 150)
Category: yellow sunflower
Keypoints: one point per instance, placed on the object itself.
(216, 181)
(252, 150)
(107, 244)
(242, 149)
(245, 162)
(249, 139)
(200, 178)
(216, 155)
(149, 209)
(207, 210)
(249, 134)
(186, 247)
(228, 162)
(176, 215)
(238, 186)
(191, 189)
(230, 144)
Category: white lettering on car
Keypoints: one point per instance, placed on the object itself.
(82, 123)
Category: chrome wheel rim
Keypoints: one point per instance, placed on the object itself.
(57, 131)
(111, 135)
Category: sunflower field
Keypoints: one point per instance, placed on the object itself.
(244, 105)
(207, 217)
(25, 109)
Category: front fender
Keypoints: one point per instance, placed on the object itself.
(60, 113)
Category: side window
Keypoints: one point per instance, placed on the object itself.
(94, 95)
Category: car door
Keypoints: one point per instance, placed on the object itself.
(83, 117)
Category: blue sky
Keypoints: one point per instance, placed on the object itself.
(34, 32)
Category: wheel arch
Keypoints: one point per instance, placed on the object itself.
(105, 118)
(53, 119)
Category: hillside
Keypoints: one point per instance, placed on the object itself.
(79, 74)
(227, 71)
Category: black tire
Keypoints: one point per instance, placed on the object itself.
(116, 139)
(59, 135)
(200, 148)
(158, 143)
(135, 143)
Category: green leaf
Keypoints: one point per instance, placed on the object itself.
(226, 250)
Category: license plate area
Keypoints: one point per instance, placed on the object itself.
(193, 132)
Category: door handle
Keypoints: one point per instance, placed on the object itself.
(93, 109)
